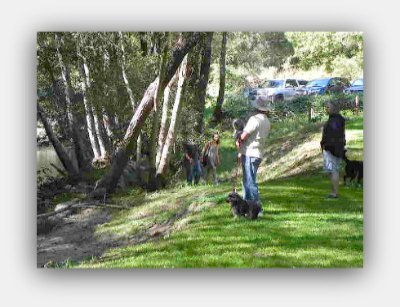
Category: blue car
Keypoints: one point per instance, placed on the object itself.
(357, 86)
(326, 86)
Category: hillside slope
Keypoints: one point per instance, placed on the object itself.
(192, 226)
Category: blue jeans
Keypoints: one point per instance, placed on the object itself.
(250, 187)
(193, 172)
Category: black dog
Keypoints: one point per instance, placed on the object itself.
(353, 169)
(241, 207)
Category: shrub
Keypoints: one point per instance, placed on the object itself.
(302, 104)
(236, 106)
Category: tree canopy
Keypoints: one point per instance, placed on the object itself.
(329, 50)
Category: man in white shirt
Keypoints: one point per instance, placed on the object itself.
(251, 146)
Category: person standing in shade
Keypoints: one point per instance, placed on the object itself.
(251, 144)
(332, 145)
(191, 163)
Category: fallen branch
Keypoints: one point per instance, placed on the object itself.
(81, 205)
(102, 205)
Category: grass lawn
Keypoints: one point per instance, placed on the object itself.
(300, 227)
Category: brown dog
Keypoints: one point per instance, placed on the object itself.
(241, 207)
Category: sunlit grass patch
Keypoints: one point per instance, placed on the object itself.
(300, 226)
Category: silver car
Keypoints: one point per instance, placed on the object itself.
(279, 90)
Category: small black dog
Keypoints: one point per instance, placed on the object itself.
(353, 169)
(241, 207)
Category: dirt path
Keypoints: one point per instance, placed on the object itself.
(73, 238)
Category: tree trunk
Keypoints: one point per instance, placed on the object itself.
(85, 85)
(156, 119)
(164, 117)
(143, 43)
(62, 119)
(124, 77)
(88, 111)
(189, 94)
(108, 124)
(203, 81)
(129, 91)
(162, 167)
(59, 148)
(73, 125)
(103, 132)
(103, 150)
(110, 180)
(138, 150)
(217, 116)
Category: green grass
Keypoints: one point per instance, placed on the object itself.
(300, 227)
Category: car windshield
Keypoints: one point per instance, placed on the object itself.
(359, 82)
(319, 82)
(273, 83)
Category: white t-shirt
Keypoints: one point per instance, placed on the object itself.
(258, 127)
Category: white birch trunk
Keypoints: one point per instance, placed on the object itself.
(130, 94)
(89, 115)
(138, 150)
(107, 125)
(91, 129)
(93, 124)
(164, 117)
(103, 151)
(124, 77)
(156, 120)
(171, 131)
(88, 107)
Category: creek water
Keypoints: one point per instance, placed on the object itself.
(45, 156)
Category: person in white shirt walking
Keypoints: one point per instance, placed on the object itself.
(251, 144)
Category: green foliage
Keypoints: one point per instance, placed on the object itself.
(301, 105)
(103, 54)
(345, 102)
(256, 50)
(338, 52)
(236, 106)
(234, 82)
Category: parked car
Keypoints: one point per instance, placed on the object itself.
(278, 90)
(302, 82)
(301, 91)
(326, 86)
(357, 86)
